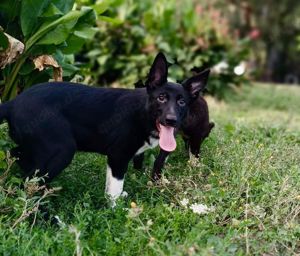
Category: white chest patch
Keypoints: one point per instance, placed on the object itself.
(151, 143)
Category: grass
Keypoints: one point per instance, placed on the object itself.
(248, 175)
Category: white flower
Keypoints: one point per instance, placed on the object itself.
(165, 181)
(184, 202)
(149, 223)
(200, 208)
(220, 67)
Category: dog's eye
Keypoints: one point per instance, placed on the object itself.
(181, 102)
(162, 98)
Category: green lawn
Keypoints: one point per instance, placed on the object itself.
(248, 175)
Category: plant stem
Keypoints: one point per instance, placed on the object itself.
(11, 83)
(12, 78)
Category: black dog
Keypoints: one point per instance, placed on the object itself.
(195, 128)
(50, 121)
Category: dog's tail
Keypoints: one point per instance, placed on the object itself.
(4, 111)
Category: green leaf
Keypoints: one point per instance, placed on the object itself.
(102, 6)
(30, 11)
(63, 5)
(26, 68)
(3, 165)
(68, 69)
(45, 28)
(59, 34)
(102, 59)
(114, 21)
(51, 11)
(89, 16)
(94, 53)
(86, 32)
(43, 49)
(74, 44)
(2, 155)
(3, 41)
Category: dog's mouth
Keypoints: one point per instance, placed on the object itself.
(167, 140)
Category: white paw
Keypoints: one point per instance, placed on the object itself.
(113, 203)
(124, 194)
(59, 221)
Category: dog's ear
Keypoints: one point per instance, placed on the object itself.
(197, 83)
(158, 73)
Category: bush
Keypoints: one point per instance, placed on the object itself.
(46, 28)
(191, 34)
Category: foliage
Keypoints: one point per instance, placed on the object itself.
(191, 34)
(46, 28)
(298, 43)
(248, 174)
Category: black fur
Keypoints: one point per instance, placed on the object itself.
(51, 121)
(195, 128)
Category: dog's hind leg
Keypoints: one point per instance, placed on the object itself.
(51, 153)
(186, 144)
(16, 152)
(195, 143)
(61, 157)
(23, 159)
(197, 139)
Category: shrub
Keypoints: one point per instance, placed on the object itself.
(191, 34)
(45, 27)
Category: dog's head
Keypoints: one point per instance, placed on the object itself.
(169, 102)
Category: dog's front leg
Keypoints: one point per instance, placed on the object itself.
(159, 164)
(114, 183)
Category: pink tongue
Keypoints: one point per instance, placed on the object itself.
(167, 141)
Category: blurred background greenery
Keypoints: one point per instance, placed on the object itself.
(113, 42)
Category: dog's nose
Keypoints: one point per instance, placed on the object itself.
(171, 120)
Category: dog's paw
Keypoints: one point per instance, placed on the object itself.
(57, 221)
(124, 194)
(113, 200)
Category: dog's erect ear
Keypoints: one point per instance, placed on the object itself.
(197, 83)
(158, 73)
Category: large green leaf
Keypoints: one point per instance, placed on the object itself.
(30, 11)
(51, 11)
(59, 34)
(64, 6)
(74, 44)
(89, 16)
(86, 32)
(48, 27)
